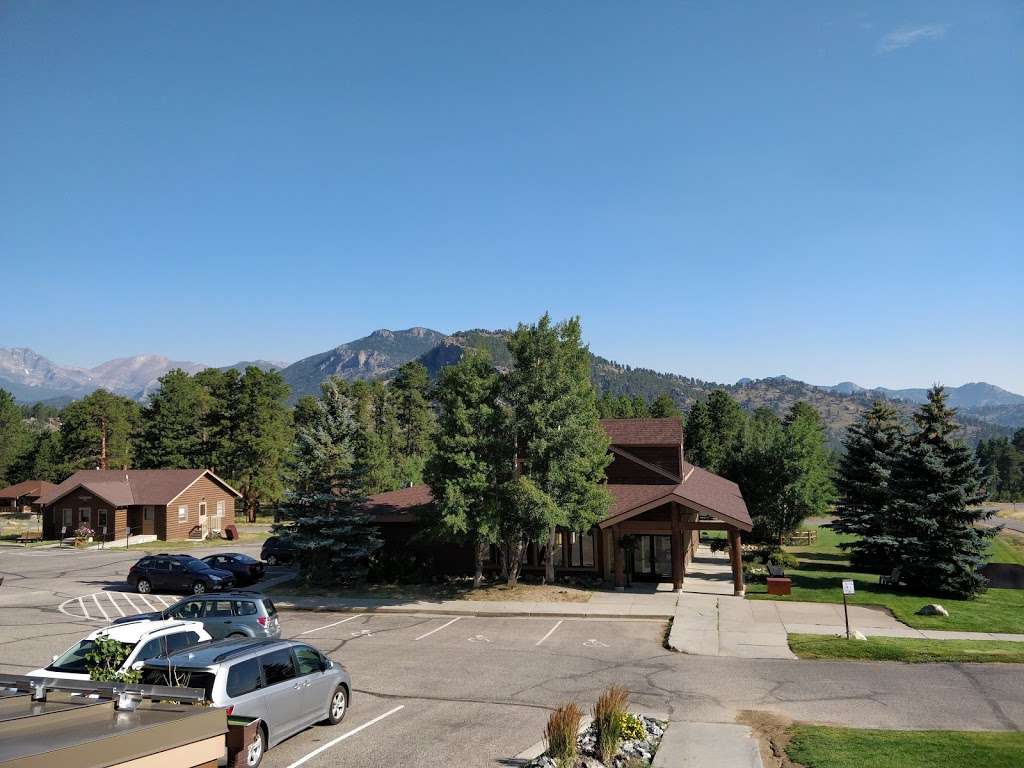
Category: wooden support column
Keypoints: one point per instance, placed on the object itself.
(620, 565)
(737, 562)
(677, 551)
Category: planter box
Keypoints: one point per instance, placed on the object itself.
(241, 733)
(779, 586)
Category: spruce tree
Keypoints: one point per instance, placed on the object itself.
(873, 445)
(324, 515)
(664, 406)
(414, 420)
(472, 457)
(714, 431)
(807, 467)
(938, 486)
(758, 468)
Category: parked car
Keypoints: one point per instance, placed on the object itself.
(144, 639)
(175, 573)
(228, 614)
(287, 684)
(246, 570)
(275, 551)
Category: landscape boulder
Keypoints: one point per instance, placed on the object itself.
(858, 635)
(933, 609)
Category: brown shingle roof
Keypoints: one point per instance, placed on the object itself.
(26, 488)
(714, 492)
(400, 502)
(667, 431)
(123, 488)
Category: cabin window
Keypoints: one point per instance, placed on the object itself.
(84, 514)
(220, 508)
(183, 513)
(102, 519)
(581, 549)
(147, 513)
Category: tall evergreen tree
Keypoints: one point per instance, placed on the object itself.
(473, 455)
(172, 425)
(664, 406)
(96, 431)
(43, 460)
(758, 467)
(375, 459)
(714, 431)
(262, 435)
(323, 515)
(559, 443)
(864, 481)
(14, 437)
(1003, 465)
(938, 486)
(808, 468)
(414, 418)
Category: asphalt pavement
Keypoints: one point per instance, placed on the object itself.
(476, 690)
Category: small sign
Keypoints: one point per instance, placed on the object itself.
(847, 586)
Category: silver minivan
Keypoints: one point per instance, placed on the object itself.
(287, 684)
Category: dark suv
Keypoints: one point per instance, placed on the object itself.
(275, 551)
(177, 573)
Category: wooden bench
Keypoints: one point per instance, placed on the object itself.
(893, 579)
(29, 536)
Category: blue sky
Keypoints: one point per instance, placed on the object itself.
(828, 190)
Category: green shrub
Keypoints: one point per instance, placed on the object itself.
(104, 660)
(562, 732)
(609, 710)
(783, 558)
(632, 727)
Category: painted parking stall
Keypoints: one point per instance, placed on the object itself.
(105, 607)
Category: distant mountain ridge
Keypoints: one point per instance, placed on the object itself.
(985, 409)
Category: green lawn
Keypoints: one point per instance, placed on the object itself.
(1008, 548)
(154, 547)
(823, 567)
(826, 747)
(906, 649)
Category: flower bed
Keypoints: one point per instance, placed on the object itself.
(632, 753)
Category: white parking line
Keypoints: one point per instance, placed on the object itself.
(115, 603)
(344, 736)
(550, 632)
(131, 602)
(161, 600)
(100, 607)
(328, 626)
(446, 624)
(151, 607)
(85, 613)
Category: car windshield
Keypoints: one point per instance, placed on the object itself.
(243, 559)
(197, 565)
(73, 659)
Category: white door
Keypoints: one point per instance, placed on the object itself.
(202, 519)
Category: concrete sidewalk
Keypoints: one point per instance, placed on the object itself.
(710, 625)
(701, 745)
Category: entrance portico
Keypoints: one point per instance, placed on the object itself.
(653, 519)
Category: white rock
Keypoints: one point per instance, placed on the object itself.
(933, 609)
(858, 635)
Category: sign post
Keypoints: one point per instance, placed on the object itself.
(847, 590)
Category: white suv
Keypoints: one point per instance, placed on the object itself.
(144, 639)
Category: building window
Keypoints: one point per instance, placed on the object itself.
(147, 513)
(581, 549)
(83, 514)
(202, 508)
(220, 508)
(183, 513)
(102, 519)
(69, 517)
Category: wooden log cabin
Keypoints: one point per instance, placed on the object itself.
(660, 504)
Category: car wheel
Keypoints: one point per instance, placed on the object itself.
(338, 706)
(272, 560)
(254, 753)
(143, 587)
(198, 588)
(236, 634)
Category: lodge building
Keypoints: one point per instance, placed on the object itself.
(660, 504)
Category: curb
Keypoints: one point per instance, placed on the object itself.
(283, 602)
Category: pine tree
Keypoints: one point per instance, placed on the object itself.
(96, 431)
(472, 457)
(14, 437)
(414, 417)
(375, 462)
(808, 469)
(172, 425)
(714, 430)
(938, 486)
(262, 437)
(664, 406)
(559, 443)
(864, 481)
(758, 468)
(324, 514)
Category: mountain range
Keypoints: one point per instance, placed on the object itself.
(985, 409)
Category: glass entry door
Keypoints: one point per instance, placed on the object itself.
(653, 558)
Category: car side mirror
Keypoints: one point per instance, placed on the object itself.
(138, 665)
(55, 657)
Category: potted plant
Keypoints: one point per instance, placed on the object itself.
(83, 535)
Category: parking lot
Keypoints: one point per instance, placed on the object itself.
(475, 691)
